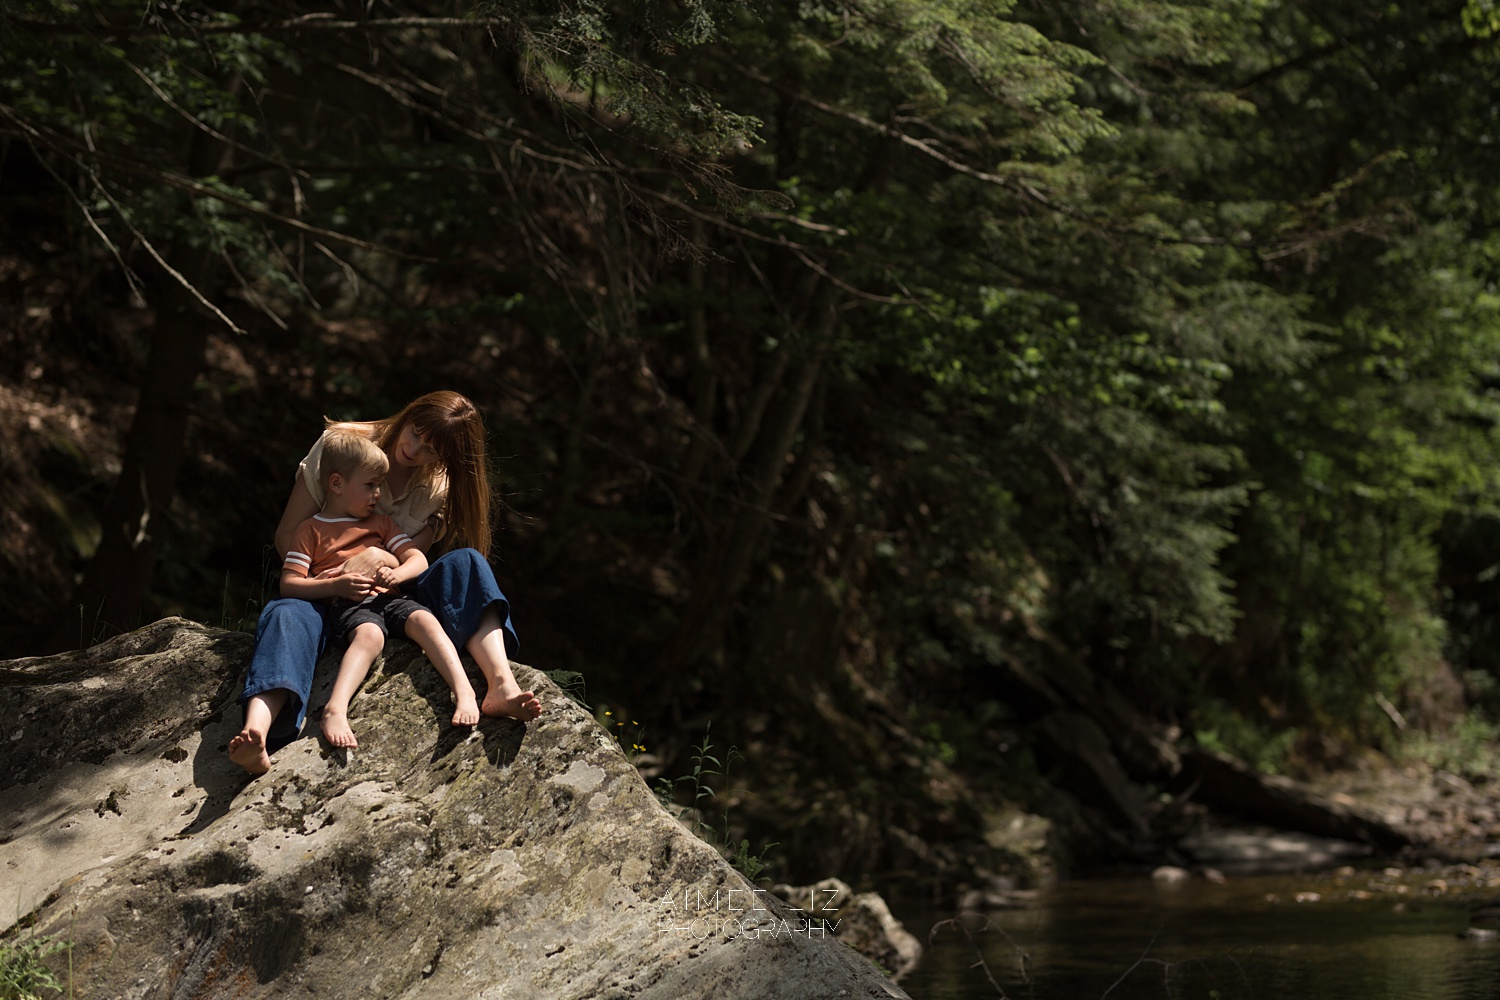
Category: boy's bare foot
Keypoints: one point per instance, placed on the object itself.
(467, 711)
(335, 725)
(248, 750)
(522, 705)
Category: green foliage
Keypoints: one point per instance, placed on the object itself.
(1158, 335)
(1482, 18)
(24, 973)
(1194, 441)
(749, 865)
(698, 783)
(1471, 748)
(89, 103)
(1218, 726)
(599, 56)
(631, 736)
(572, 683)
(1360, 451)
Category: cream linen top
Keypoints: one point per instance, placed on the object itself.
(420, 506)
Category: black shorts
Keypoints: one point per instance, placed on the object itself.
(388, 611)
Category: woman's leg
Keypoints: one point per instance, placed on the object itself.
(460, 589)
(248, 748)
(289, 639)
(503, 696)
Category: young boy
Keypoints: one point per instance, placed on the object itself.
(363, 609)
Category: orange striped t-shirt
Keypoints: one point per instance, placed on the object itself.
(322, 543)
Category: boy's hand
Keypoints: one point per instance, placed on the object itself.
(385, 579)
(353, 586)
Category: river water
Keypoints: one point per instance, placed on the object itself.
(1362, 938)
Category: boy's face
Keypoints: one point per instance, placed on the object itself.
(358, 494)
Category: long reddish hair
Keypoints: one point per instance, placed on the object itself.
(453, 427)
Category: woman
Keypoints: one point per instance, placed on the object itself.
(436, 490)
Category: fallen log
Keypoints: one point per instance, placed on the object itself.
(1233, 788)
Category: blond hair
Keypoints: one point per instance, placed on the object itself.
(349, 453)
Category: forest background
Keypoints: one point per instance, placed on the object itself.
(920, 397)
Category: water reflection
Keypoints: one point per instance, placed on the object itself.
(1248, 938)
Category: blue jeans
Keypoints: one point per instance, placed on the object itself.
(458, 588)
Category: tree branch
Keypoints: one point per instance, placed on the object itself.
(307, 22)
(931, 150)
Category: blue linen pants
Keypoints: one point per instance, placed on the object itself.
(458, 588)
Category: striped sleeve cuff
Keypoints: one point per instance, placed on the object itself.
(398, 542)
(297, 562)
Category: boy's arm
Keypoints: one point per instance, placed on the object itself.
(423, 539)
(350, 586)
(411, 564)
(299, 559)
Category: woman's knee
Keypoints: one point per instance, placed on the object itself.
(292, 607)
(290, 613)
(462, 557)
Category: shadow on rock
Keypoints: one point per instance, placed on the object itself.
(214, 774)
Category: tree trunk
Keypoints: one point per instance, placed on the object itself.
(705, 381)
(727, 562)
(138, 513)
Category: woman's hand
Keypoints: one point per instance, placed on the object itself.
(368, 562)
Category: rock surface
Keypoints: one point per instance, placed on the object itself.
(508, 861)
(861, 920)
(1266, 851)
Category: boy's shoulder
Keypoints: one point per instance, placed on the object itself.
(381, 524)
(323, 525)
(307, 524)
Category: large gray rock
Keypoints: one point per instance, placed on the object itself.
(861, 920)
(516, 861)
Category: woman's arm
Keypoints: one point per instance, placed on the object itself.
(366, 563)
(299, 507)
(370, 561)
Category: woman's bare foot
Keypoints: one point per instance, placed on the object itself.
(248, 750)
(516, 704)
(335, 725)
(467, 711)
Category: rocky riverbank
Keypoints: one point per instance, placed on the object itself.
(508, 860)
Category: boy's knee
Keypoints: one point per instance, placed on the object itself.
(367, 634)
(423, 626)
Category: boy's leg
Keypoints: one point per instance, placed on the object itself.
(365, 643)
(248, 748)
(422, 628)
(503, 696)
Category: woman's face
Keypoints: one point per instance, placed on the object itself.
(412, 449)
